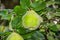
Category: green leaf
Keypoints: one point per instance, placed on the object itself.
(19, 10)
(21, 30)
(53, 27)
(6, 17)
(57, 1)
(50, 36)
(3, 12)
(35, 35)
(37, 6)
(16, 22)
(51, 2)
(50, 15)
(58, 26)
(39, 1)
(57, 14)
(25, 4)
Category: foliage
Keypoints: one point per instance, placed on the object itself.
(49, 10)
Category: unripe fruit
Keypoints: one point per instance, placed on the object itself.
(2, 28)
(14, 36)
(31, 20)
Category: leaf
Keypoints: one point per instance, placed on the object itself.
(25, 4)
(53, 27)
(37, 6)
(39, 1)
(16, 22)
(35, 35)
(6, 17)
(17, 25)
(50, 36)
(57, 1)
(19, 10)
(57, 14)
(50, 15)
(58, 26)
(51, 2)
(3, 12)
(21, 30)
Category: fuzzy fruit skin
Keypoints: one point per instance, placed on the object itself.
(15, 36)
(31, 20)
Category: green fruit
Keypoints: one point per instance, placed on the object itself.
(14, 36)
(2, 28)
(31, 20)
